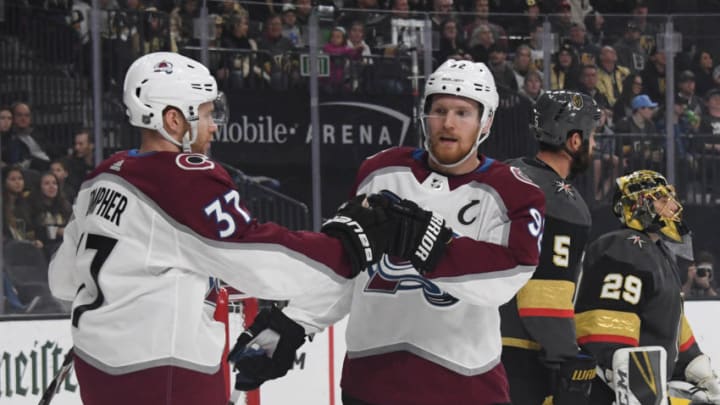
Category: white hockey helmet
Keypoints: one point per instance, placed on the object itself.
(465, 79)
(160, 80)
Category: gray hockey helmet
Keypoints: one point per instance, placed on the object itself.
(557, 113)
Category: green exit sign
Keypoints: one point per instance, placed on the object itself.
(323, 65)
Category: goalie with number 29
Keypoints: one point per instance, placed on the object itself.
(629, 308)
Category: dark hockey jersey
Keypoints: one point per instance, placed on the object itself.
(540, 316)
(630, 296)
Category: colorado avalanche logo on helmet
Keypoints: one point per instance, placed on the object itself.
(163, 66)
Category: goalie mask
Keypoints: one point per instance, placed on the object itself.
(634, 204)
(473, 81)
(161, 80)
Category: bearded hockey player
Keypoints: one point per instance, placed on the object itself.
(152, 225)
(424, 327)
(540, 354)
(629, 308)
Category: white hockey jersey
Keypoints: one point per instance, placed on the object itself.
(436, 339)
(149, 230)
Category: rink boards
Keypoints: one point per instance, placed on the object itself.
(31, 350)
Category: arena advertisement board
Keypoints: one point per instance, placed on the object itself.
(32, 351)
(351, 128)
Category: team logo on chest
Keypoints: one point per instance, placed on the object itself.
(636, 240)
(388, 277)
(462, 218)
(562, 187)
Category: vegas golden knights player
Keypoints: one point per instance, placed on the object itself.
(540, 353)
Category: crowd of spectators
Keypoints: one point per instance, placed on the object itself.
(369, 44)
(38, 187)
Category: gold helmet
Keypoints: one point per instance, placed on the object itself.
(633, 204)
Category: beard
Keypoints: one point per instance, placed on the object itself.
(581, 160)
(448, 156)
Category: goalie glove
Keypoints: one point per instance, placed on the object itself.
(700, 372)
(420, 236)
(363, 232)
(266, 350)
(573, 379)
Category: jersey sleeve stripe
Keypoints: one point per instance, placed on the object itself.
(608, 339)
(686, 335)
(607, 325)
(545, 312)
(546, 295)
(521, 343)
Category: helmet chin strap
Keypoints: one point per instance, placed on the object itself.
(187, 139)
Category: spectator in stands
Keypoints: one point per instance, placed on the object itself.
(654, 76)
(228, 8)
(365, 13)
(588, 84)
(686, 90)
(6, 119)
(525, 26)
(648, 30)
(710, 125)
(535, 44)
(260, 10)
(17, 214)
(636, 151)
(522, 63)
(701, 281)
(26, 147)
(303, 8)
(442, 11)
(611, 75)
(451, 45)
(630, 53)
(356, 39)
(291, 30)
(532, 86)
(632, 86)
(482, 17)
(51, 212)
(562, 20)
(383, 31)
(81, 163)
(606, 164)
(501, 69)
(703, 68)
(340, 57)
(276, 60)
(58, 167)
(595, 28)
(156, 32)
(564, 71)
(586, 52)
(480, 43)
(181, 22)
(242, 67)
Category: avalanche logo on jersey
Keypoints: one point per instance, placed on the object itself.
(194, 161)
(390, 278)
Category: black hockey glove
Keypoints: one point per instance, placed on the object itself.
(573, 380)
(362, 230)
(420, 236)
(266, 350)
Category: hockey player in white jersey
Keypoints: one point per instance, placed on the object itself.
(425, 329)
(152, 225)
